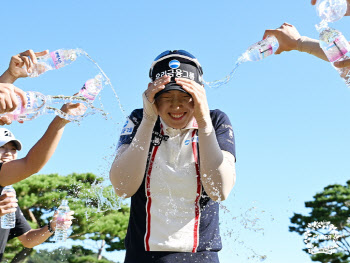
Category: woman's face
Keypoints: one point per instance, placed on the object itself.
(8, 152)
(176, 108)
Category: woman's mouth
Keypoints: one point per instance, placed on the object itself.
(177, 116)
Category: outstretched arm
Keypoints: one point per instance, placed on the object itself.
(17, 170)
(35, 237)
(289, 39)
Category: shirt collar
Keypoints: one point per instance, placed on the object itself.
(191, 125)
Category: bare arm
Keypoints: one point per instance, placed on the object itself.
(289, 39)
(35, 237)
(311, 46)
(17, 170)
(218, 172)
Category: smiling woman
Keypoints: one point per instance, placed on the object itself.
(176, 108)
(174, 214)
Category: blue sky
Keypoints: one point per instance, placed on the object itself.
(289, 112)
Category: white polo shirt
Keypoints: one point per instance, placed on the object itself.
(173, 189)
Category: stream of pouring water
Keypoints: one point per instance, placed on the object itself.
(218, 83)
(107, 82)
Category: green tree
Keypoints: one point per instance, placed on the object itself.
(77, 254)
(41, 194)
(331, 205)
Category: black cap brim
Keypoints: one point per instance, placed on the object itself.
(170, 86)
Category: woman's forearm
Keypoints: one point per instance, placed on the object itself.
(218, 174)
(35, 237)
(311, 46)
(129, 166)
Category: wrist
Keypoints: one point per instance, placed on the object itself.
(204, 123)
(7, 77)
(60, 122)
(300, 44)
(50, 228)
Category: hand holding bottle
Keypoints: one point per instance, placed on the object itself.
(287, 36)
(22, 64)
(342, 64)
(66, 221)
(8, 98)
(8, 203)
(8, 220)
(75, 109)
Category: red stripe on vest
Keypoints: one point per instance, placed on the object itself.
(148, 194)
(196, 222)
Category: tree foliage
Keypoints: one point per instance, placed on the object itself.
(40, 195)
(77, 254)
(331, 205)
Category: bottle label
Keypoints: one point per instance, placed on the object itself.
(83, 91)
(30, 102)
(57, 59)
(337, 49)
(266, 51)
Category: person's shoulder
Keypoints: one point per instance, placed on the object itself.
(217, 114)
(136, 116)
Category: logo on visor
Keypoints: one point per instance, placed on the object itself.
(174, 63)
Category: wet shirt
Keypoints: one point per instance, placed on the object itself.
(171, 213)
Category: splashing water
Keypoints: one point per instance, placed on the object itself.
(255, 52)
(106, 197)
(238, 226)
(107, 82)
(79, 114)
(218, 83)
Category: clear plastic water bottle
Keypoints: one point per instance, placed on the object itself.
(34, 107)
(61, 229)
(331, 10)
(8, 221)
(91, 88)
(39, 104)
(335, 47)
(55, 60)
(260, 50)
